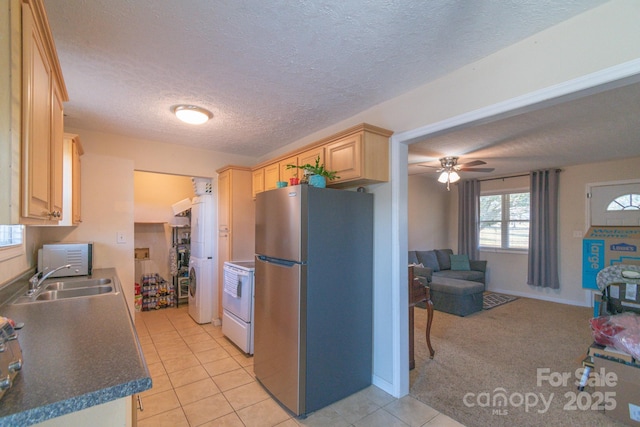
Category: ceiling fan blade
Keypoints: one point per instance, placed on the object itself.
(476, 169)
(473, 163)
(429, 166)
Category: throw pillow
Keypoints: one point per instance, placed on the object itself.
(460, 262)
(443, 258)
(428, 259)
(413, 258)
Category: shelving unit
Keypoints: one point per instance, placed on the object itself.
(181, 247)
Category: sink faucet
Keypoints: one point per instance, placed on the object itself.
(36, 280)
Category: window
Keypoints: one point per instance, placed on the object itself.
(628, 202)
(11, 241)
(504, 220)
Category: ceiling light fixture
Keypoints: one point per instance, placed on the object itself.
(449, 177)
(449, 168)
(449, 174)
(192, 114)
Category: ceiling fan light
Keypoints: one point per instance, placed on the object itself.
(192, 114)
(444, 177)
(454, 177)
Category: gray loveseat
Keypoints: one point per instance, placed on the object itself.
(456, 291)
(439, 262)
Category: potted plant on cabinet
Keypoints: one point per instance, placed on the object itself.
(316, 175)
(294, 179)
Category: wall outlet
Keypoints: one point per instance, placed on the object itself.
(578, 234)
(121, 237)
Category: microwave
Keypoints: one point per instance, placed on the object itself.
(54, 255)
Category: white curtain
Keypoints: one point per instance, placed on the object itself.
(469, 217)
(543, 229)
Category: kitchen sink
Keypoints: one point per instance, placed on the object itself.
(72, 293)
(63, 289)
(59, 286)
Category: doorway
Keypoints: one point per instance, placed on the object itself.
(157, 228)
(614, 203)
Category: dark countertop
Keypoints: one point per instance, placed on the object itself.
(77, 353)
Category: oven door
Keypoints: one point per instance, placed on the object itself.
(236, 294)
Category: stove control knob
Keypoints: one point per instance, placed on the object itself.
(15, 366)
(5, 383)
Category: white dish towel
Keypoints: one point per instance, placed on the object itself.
(232, 285)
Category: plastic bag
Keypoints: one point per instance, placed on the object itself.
(621, 331)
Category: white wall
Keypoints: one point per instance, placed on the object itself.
(381, 291)
(152, 156)
(157, 238)
(428, 214)
(155, 193)
(107, 208)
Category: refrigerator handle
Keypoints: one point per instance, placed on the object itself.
(277, 261)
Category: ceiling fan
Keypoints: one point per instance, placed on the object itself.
(449, 167)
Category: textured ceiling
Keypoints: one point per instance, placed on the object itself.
(590, 128)
(270, 71)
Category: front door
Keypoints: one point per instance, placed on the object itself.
(615, 204)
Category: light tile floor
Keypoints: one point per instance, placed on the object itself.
(202, 379)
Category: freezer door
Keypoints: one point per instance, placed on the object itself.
(280, 232)
(278, 346)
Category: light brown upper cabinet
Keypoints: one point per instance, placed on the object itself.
(42, 95)
(310, 157)
(76, 173)
(257, 182)
(72, 150)
(271, 176)
(360, 157)
(57, 141)
(286, 174)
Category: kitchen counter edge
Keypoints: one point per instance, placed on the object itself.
(102, 385)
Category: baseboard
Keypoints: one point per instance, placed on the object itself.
(585, 303)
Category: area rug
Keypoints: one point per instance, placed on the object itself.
(491, 300)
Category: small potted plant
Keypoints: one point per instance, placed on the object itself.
(294, 179)
(317, 174)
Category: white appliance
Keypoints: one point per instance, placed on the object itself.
(237, 303)
(203, 289)
(202, 226)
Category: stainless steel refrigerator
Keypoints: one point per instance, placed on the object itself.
(313, 295)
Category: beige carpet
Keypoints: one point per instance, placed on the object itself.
(499, 351)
